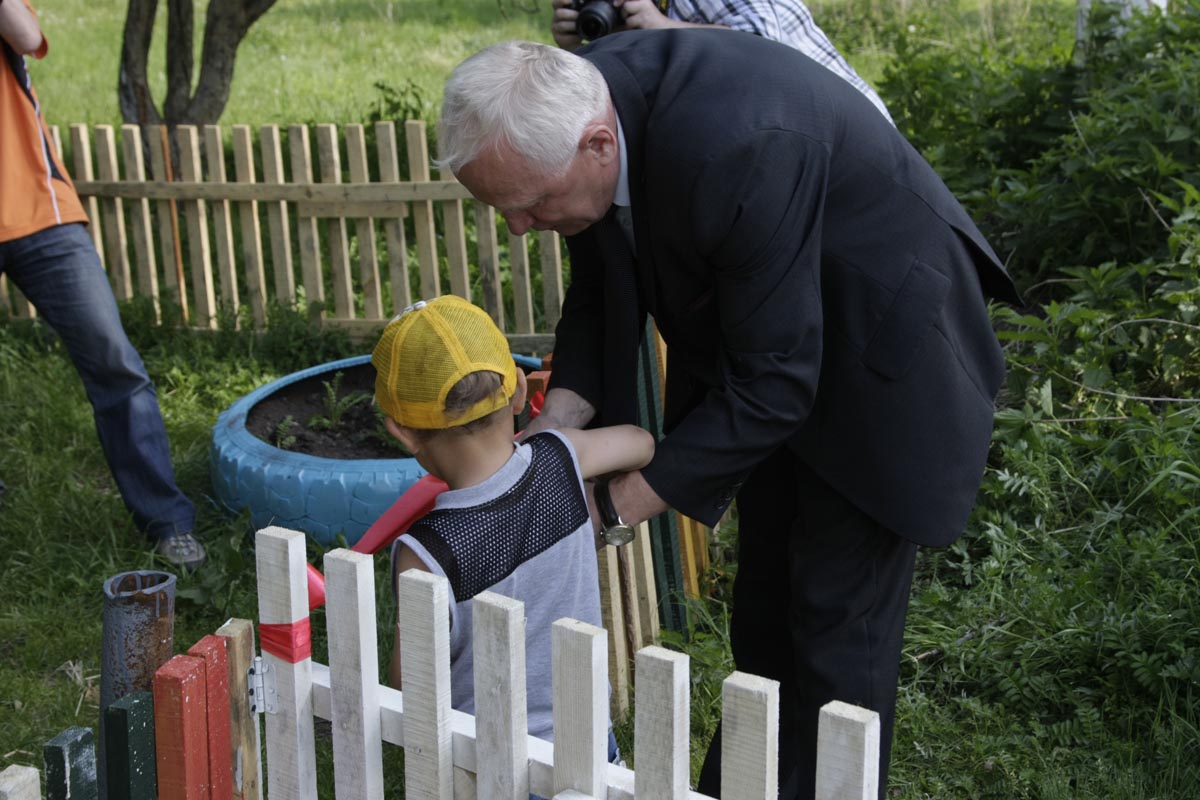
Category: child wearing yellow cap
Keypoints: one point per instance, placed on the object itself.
(517, 518)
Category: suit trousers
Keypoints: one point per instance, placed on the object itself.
(819, 604)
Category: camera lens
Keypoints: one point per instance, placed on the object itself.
(596, 19)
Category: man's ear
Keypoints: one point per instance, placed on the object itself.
(599, 140)
(519, 396)
(407, 436)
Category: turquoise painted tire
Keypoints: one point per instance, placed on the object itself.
(319, 496)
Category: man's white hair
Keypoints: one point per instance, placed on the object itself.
(535, 98)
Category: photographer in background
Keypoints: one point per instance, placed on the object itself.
(46, 252)
(786, 21)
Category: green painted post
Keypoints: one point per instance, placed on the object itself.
(129, 748)
(70, 760)
(664, 538)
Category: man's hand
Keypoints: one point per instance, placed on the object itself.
(562, 408)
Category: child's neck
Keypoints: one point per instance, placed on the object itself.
(467, 460)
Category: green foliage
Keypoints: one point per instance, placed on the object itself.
(285, 433)
(995, 111)
(336, 404)
(1062, 165)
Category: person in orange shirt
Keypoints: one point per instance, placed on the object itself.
(46, 252)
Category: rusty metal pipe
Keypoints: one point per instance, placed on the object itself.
(138, 637)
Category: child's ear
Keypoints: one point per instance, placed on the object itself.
(407, 437)
(518, 398)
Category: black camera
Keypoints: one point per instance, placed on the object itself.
(596, 18)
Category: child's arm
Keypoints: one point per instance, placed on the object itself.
(405, 560)
(619, 448)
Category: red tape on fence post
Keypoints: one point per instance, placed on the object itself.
(290, 642)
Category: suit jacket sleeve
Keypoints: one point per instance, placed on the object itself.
(756, 217)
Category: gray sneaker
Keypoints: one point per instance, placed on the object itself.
(182, 550)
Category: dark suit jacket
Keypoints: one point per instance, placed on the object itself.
(817, 285)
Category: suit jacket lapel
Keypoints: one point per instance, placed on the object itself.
(633, 111)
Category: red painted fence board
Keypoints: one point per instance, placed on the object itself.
(213, 649)
(181, 729)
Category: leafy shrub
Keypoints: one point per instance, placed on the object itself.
(1062, 166)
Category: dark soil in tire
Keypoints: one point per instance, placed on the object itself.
(359, 433)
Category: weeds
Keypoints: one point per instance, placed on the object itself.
(336, 404)
(285, 433)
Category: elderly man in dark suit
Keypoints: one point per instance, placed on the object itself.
(823, 297)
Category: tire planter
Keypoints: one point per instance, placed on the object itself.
(320, 496)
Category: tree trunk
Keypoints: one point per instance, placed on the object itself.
(226, 24)
(133, 87)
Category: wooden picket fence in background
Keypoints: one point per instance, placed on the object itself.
(205, 741)
(283, 227)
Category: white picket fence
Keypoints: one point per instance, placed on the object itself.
(451, 755)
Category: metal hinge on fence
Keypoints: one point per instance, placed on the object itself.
(261, 682)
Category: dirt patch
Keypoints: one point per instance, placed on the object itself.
(358, 434)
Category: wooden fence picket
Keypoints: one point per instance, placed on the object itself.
(847, 753)
(214, 651)
(364, 227)
(252, 253)
(20, 783)
(750, 738)
(329, 157)
(140, 221)
(522, 283)
(456, 241)
(70, 765)
(113, 215)
(277, 217)
(81, 170)
(245, 750)
(204, 298)
(581, 720)
(310, 239)
(612, 612)
(552, 277)
(222, 215)
(354, 676)
(393, 227)
(662, 714)
(129, 748)
(423, 615)
(283, 601)
(501, 715)
(490, 286)
(422, 210)
(170, 243)
(181, 729)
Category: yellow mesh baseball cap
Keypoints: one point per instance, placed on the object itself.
(430, 347)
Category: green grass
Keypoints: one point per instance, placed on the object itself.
(319, 60)
(303, 61)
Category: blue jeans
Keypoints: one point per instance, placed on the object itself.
(58, 270)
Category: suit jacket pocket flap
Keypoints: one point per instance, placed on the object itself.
(913, 311)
